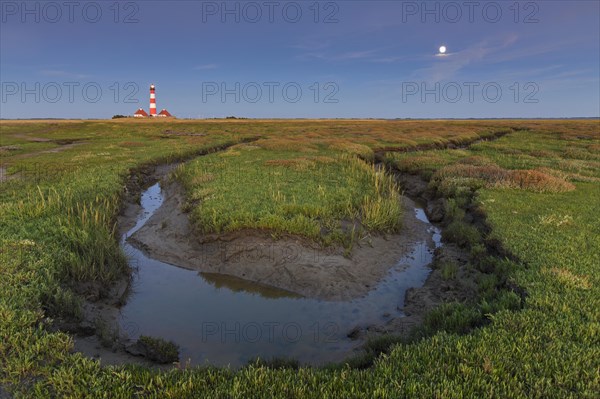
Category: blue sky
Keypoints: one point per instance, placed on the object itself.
(344, 59)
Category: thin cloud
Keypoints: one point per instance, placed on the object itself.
(347, 56)
(449, 64)
(533, 51)
(312, 44)
(59, 73)
(205, 67)
(387, 60)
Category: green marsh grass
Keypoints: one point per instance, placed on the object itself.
(547, 349)
(251, 187)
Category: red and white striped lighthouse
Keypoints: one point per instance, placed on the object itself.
(152, 101)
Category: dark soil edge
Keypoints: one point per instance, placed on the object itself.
(144, 176)
(101, 302)
(381, 337)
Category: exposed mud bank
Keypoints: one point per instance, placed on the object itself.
(415, 187)
(295, 265)
(289, 263)
(98, 333)
(289, 267)
(437, 288)
(178, 304)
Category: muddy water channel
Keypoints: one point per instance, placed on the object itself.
(224, 320)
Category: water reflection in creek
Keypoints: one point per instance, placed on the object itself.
(223, 320)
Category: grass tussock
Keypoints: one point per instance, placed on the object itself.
(361, 150)
(158, 350)
(538, 181)
(492, 176)
(382, 212)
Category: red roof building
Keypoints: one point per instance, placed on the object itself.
(165, 114)
(140, 113)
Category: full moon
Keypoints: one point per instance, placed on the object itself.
(442, 49)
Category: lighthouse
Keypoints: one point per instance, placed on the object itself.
(140, 113)
(152, 101)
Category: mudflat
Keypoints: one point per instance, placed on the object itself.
(288, 263)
